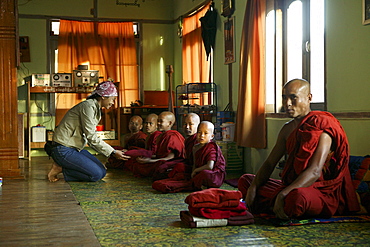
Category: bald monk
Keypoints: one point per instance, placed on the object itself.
(170, 150)
(190, 127)
(151, 128)
(133, 140)
(136, 137)
(315, 181)
(150, 124)
(208, 166)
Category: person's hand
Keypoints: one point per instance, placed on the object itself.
(250, 197)
(193, 173)
(143, 160)
(279, 207)
(120, 154)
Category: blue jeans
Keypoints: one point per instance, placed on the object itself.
(78, 166)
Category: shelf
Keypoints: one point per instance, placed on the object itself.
(199, 98)
(37, 144)
(41, 89)
(111, 121)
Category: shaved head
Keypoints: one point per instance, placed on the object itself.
(166, 120)
(135, 124)
(303, 85)
(168, 115)
(150, 124)
(191, 123)
(297, 98)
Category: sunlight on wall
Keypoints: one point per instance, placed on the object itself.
(162, 80)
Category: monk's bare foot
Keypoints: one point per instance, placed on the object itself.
(53, 174)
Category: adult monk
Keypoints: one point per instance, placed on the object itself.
(133, 140)
(170, 150)
(315, 180)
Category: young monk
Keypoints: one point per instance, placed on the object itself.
(170, 150)
(133, 140)
(150, 124)
(208, 169)
(209, 163)
(150, 127)
(190, 127)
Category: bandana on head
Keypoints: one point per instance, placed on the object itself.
(105, 89)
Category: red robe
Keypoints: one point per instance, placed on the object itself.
(151, 141)
(333, 193)
(209, 178)
(136, 141)
(189, 144)
(183, 169)
(170, 141)
(150, 148)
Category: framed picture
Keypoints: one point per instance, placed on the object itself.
(229, 40)
(227, 8)
(366, 12)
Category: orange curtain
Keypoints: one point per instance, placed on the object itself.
(106, 46)
(195, 67)
(251, 122)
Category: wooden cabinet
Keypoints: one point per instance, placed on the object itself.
(110, 117)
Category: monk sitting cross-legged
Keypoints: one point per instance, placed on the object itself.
(208, 166)
(150, 127)
(315, 181)
(170, 150)
(183, 169)
(133, 140)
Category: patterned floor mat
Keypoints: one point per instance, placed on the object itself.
(126, 211)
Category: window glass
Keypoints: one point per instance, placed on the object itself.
(270, 61)
(294, 40)
(317, 76)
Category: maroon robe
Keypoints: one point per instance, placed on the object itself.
(170, 141)
(151, 141)
(150, 145)
(136, 141)
(182, 170)
(332, 194)
(209, 178)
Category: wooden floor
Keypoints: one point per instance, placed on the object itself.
(35, 212)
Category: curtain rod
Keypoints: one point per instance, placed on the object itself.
(74, 18)
(187, 14)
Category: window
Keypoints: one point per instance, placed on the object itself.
(295, 48)
(53, 43)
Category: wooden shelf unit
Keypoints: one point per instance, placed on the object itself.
(27, 90)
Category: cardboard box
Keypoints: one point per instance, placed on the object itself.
(38, 133)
